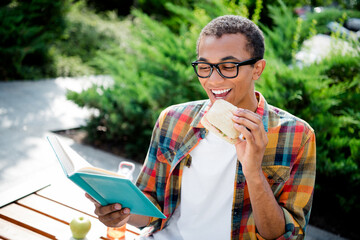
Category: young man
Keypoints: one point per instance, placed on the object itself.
(209, 188)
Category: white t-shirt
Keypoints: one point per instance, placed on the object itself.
(207, 192)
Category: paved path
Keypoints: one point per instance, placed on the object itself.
(29, 111)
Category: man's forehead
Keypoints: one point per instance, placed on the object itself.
(231, 47)
(230, 57)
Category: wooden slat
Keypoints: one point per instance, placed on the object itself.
(49, 208)
(35, 221)
(68, 194)
(15, 232)
(131, 236)
(61, 213)
(133, 229)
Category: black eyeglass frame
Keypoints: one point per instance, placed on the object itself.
(238, 64)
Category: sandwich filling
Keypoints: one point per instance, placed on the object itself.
(216, 131)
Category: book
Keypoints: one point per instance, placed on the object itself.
(104, 186)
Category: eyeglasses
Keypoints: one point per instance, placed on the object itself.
(225, 69)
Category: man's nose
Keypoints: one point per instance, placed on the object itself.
(215, 75)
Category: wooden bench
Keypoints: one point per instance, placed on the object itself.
(46, 214)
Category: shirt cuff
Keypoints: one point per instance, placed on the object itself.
(292, 229)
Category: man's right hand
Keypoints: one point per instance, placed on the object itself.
(112, 215)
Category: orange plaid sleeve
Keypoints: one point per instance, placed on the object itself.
(296, 198)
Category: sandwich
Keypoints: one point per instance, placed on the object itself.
(218, 120)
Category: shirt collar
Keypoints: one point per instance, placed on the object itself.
(262, 109)
(196, 121)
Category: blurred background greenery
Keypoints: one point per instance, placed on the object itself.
(147, 47)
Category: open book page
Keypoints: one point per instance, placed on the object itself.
(77, 161)
(68, 158)
(98, 171)
(61, 155)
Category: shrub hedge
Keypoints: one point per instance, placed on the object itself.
(87, 34)
(154, 73)
(27, 29)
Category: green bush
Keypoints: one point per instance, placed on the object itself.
(279, 37)
(156, 7)
(27, 29)
(87, 34)
(288, 31)
(155, 72)
(65, 46)
(326, 16)
(121, 7)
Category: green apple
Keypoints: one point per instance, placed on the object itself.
(80, 226)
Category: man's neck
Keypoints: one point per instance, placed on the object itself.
(252, 104)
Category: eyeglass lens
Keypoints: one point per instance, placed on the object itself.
(226, 69)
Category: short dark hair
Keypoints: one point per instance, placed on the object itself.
(232, 24)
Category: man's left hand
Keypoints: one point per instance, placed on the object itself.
(250, 152)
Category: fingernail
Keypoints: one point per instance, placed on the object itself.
(117, 206)
(126, 211)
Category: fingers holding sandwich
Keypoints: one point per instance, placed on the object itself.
(250, 152)
(229, 123)
(250, 125)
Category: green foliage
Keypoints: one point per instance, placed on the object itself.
(279, 38)
(153, 73)
(67, 66)
(295, 43)
(156, 7)
(258, 7)
(202, 13)
(288, 32)
(324, 17)
(87, 34)
(121, 7)
(27, 29)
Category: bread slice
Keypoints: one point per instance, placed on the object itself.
(219, 121)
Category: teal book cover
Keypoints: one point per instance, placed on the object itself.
(104, 186)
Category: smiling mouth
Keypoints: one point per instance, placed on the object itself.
(220, 93)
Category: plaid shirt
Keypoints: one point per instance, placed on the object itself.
(288, 164)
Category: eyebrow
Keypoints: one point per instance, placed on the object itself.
(222, 59)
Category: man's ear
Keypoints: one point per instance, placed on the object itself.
(258, 69)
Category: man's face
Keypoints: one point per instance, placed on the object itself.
(228, 48)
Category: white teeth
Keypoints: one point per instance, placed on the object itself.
(220, 91)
